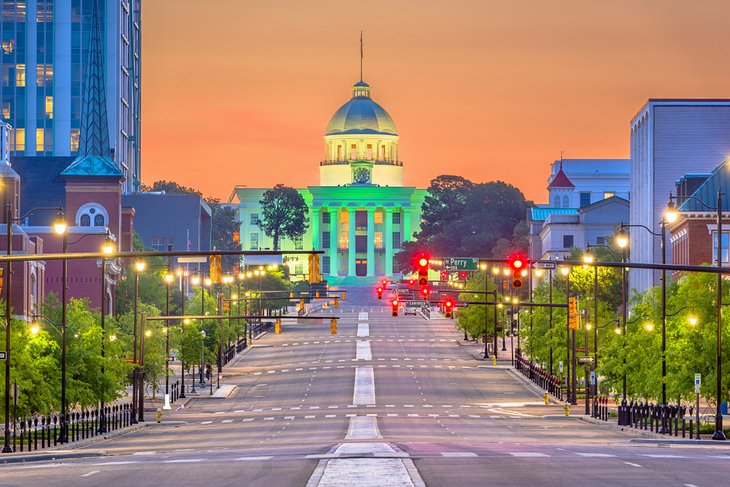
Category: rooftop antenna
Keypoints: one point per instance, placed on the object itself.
(361, 55)
(561, 159)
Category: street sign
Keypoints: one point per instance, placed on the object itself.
(560, 366)
(593, 376)
(192, 260)
(545, 265)
(2, 355)
(461, 263)
(585, 360)
(416, 304)
(461, 305)
(698, 383)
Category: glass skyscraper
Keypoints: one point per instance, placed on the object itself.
(44, 53)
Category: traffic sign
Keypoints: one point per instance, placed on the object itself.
(698, 383)
(2, 355)
(585, 360)
(461, 263)
(461, 305)
(545, 265)
(416, 304)
(593, 376)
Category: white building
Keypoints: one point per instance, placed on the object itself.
(44, 63)
(669, 138)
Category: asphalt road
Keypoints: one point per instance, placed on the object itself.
(385, 402)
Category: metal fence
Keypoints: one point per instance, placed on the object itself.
(541, 377)
(664, 419)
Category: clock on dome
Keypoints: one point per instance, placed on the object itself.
(361, 175)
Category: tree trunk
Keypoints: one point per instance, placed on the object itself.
(276, 240)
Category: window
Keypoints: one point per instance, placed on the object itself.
(608, 194)
(326, 264)
(254, 219)
(339, 152)
(75, 134)
(39, 139)
(378, 217)
(361, 243)
(17, 139)
(600, 240)
(49, 107)
(361, 220)
(326, 217)
(298, 243)
(369, 148)
(396, 240)
(396, 218)
(6, 110)
(378, 239)
(326, 240)
(254, 241)
(92, 213)
(382, 152)
(724, 247)
(396, 265)
(353, 151)
(567, 241)
(566, 204)
(20, 75)
(585, 199)
(556, 202)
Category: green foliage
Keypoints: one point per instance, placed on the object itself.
(284, 213)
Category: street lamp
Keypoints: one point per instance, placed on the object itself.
(137, 374)
(9, 219)
(671, 215)
(106, 249)
(168, 281)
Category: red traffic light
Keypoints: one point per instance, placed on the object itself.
(395, 307)
(448, 303)
(449, 307)
(422, 262)
(425, 291)
(395, 302)
(411, 282)
(380, 292)
(519, 267)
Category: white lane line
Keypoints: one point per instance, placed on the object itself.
(90, 473)
(206, 422)
(633, 464)
(145, 452)
(251, 459)
(527, 454)
(363, 329)
(363, 351)
(362, 316)
(596, 455)
(458, 454)
(364, 390)
(651, 455)
(185, 460)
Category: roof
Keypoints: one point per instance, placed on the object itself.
(93, 165)
(560, 180)
(40, 185)
(707, 192)
(361, 115)
(543, 213)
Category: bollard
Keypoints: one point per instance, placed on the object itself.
(333, 326)
(494, 360)
(547, 399)
(277, 326)
(567, 408)
(159, 415)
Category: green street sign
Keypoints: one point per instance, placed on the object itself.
(461, 263)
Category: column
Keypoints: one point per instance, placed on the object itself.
(351, 243)
(371, 242)
(406, 220)
(314, 218)
(334, 240)
(388, 241)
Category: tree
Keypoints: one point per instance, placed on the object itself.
(170, 187)
(225, 229)
(284, 214)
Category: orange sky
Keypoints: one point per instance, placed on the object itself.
(240, 92)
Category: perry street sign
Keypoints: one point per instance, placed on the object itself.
(461, 263)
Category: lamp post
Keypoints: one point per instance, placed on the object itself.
(168, 281)
(195, 280)
(8, 316)
(60, 228)
(139, 267)
(571, 362)
(107, 249)
(183, 281)
(622, 240)
(143, 333)
(671, 215)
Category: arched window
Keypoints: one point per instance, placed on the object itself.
(556, 202)
(92, 213)
(565, 202)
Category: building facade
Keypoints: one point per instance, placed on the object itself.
(361, 213)
(44, 63)
(669, 138)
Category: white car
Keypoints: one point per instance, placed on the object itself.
(410, 310)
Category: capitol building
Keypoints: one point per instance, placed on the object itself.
(360, 213)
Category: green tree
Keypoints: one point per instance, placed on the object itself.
(284, 213)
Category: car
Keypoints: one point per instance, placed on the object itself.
(410, 310)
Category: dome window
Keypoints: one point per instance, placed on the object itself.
(92, 213)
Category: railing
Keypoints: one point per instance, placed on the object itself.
(539, 376)
(663, 419)
(38, 432)
(600, 408)
(348, 161)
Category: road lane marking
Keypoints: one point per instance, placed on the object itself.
(252, 459)
(363, 329)
(90, 473)
(527, 454)
(458, 454)
(596, 455)
(364, 390)
(363, 351)
(362, 316)
(185, 460)
(633, 464)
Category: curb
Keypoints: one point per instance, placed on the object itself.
(51, 455)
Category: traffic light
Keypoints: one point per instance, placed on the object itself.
(422, 266)
(384, 283)
(2, 281)
(216, 270)
(379, 289)
(573, 313)
(517, 264)
(277, 326)
(314, 274)
(337, 303)
(411, 283)
(444, 276)
(449, 307)
(463, 275)
(394, 303)
(333, 326)
(425, 292)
